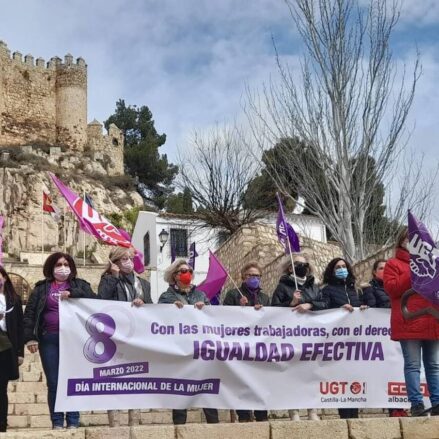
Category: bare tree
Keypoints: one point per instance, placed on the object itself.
(216, 169)
(348, 104)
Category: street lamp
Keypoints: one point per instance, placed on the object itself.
(163, 237)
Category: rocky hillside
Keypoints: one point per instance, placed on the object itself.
(22, 180)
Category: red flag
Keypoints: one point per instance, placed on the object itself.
(50, 207)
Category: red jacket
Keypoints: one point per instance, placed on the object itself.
(397, 280)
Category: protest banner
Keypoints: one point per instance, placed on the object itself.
(114, 356)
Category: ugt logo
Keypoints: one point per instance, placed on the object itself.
(99, 348)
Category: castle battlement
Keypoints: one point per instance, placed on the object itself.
(29, 60)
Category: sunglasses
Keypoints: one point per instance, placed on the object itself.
(185, 270)
(301, 264)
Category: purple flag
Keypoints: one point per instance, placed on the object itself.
(192, 255)
(1, 239)
(424, 264)
(285, 232)
(215, 279)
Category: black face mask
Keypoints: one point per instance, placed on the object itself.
(301, 269)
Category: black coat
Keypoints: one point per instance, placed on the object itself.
(283, 294)
(233, 297)
(375, 296)
(37, 301)
(14, 328)
(113, 288)
(337, 294)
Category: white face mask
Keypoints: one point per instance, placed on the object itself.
(127, 266)
(61, 273)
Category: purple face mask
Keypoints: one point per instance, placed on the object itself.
(253, 282)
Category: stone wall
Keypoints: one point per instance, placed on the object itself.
(42, 103)
(259, 242)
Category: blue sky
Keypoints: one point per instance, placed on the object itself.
(190, 60)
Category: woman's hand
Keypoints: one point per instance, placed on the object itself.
(302, 308)
(348, 307)
(297, 295)
(258, 306)
(199, 305)
(115, 270)
(64, 295)
(243, 301)
(178, 304)
(137, 302)
(20, 361)
(32, 346)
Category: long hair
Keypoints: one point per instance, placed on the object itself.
(9, 289)
(329, 277)
(402, 235)
(51, 261)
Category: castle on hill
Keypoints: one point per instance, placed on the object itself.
(46, 104)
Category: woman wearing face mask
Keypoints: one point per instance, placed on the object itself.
(249, 294)
(11, 341)
(419, 337)
(300, 299)
(182, 292)
(119, 282)
(340, 292)
(41, 323)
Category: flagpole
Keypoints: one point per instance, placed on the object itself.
(83, 235)
(292, 263)
(234, 283)
(64, 229)
(42, 229)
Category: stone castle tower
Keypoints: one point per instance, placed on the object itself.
(46, 104)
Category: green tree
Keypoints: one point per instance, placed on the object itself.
(141, 150)
(180, 203)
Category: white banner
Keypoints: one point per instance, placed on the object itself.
(115, 356)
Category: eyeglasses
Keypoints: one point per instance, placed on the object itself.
(252, 275)
(301, 264)
(185, 270)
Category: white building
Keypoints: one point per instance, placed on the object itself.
(156, 234)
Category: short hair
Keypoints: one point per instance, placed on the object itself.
(328, 275)
(171, 271)
(9, 289)
(402, 235)
(51, 261)
(116, 254)
(251, 264)
(285, 266)
(376, 263)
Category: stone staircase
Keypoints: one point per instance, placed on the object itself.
(29, 418)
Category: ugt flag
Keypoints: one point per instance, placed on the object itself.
(285, 232)
(90, 220)
(424, 264)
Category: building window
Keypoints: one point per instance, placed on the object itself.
(146, 249)
(179, 242)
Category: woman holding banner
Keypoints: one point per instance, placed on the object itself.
(181, 292)
(300, 299)
(119, 282)
(249, 294)
(11, 341)
(419, 337)
(339, 291)
(41, 323)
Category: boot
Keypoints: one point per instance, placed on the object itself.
(133, 417)
(312, 415)
(294, 415)
(418, 410)
(114, 418)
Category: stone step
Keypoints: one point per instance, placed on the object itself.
(390, 428)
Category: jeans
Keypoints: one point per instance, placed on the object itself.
(49, 353)
(179, 416)
(412, 350)
(246, 415)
